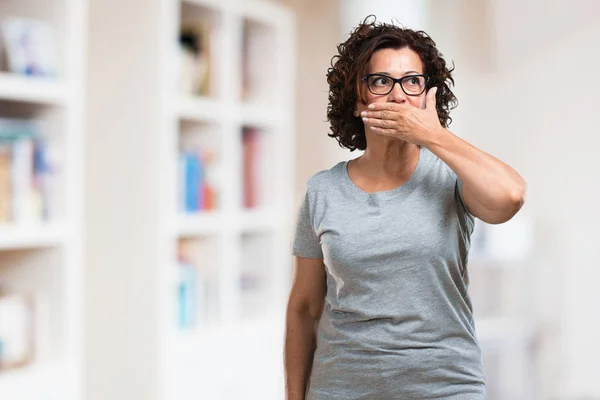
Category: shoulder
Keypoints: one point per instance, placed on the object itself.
(324, 179)
(439, 170)
(449, 186)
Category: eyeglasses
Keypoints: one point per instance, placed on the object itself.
(379, 84)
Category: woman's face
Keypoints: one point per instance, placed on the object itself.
(395, 63)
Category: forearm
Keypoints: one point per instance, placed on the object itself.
(300, 343)
(494, 184)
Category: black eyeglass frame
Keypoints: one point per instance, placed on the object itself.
(396, 80)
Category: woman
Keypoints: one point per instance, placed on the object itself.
(379, 307)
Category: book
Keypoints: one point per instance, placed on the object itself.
(195, 181)
(195, 58)
(27, 173)
(5, 183)
(17, 338)
(251, 165)
(22, 181)
(197, 289)
(186, 294)
(209, 184)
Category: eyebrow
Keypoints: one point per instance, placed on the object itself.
(406, 73)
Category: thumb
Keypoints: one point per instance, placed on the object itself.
(431, 98)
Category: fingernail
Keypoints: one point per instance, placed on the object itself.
(364, 113)
(365, 119)
(371, 106)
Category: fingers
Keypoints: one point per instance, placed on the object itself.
(380, 123)
(381, 114)
(394, 107)
(430, 104)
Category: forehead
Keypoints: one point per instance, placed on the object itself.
(395, 61)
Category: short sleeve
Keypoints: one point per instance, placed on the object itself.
(306, 242)
(466, 218)
(464, 213)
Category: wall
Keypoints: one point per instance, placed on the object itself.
(525, 79)
(409, 13)
(317, 36)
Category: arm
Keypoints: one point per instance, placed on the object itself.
(304, 310)
(492, 191)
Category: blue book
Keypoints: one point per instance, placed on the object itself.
(200, 187)
(192, 177)
(187, 296)
(181, 188)
(42, 172)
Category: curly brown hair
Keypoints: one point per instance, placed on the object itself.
(349, 66)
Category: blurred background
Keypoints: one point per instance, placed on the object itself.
(153, 155)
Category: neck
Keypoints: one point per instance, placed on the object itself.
(389, 158)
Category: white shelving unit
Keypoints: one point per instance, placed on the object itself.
(44, 259)
(237, 352)
(32, 90)
(15, 236)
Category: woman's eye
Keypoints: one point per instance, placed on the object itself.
(413, 81)
(381, 81)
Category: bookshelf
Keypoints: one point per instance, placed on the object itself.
(41, 253)
(225, 267)
(32, 90)
(16, 236)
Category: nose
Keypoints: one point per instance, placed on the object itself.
(397, 95)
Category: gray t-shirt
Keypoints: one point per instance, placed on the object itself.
(397, 321)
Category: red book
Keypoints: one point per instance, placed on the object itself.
(250, 146)
(209, 197)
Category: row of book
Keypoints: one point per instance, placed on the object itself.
(197, 295)
(197, 288)
(196, 39)
(196, 189)
(28, 170)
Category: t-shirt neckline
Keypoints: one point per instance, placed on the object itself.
(406, 188)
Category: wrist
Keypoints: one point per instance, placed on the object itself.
(437, 137)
